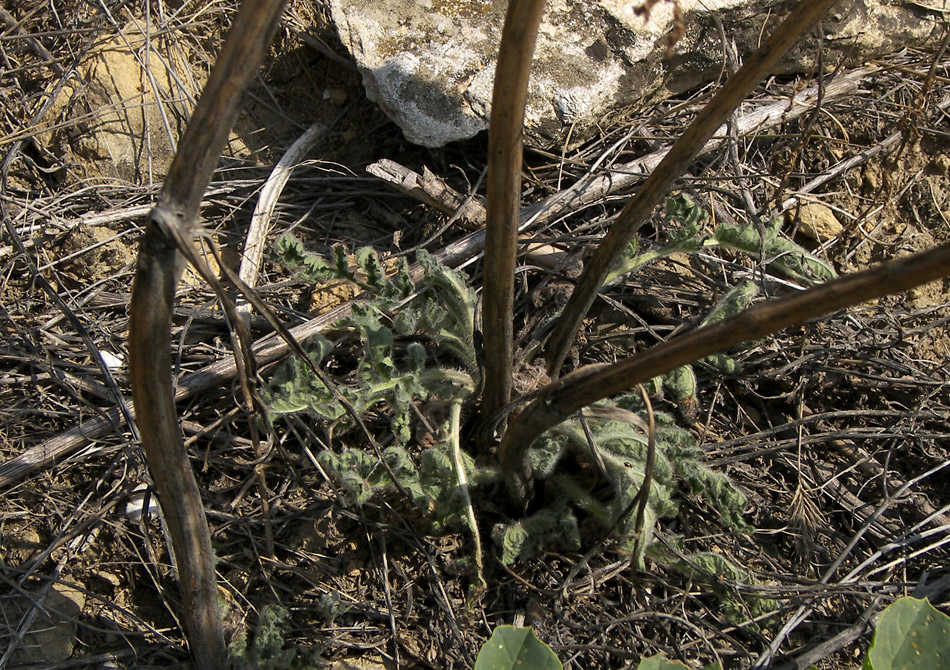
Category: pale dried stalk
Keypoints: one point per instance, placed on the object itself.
(255, 242)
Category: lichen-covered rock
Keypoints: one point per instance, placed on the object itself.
(430, 63)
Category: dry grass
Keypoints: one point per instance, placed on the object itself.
(835, 430)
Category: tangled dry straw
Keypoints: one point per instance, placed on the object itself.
(835, 431)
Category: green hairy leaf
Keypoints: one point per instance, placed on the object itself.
(680, 383)
(389, 291)
(442, 310)
(417, 346)
(680, 209)
(732, 303)
(341, 263)
(719, 572)
(377, 340)
(621, 450)
(368, 261)
(684, 220)
(552, 527)
(294, 388)
(446, 501)
(359, 473)
(785, 256)
(736, 300)
(268, 650)
(436, 316)
(290, 252)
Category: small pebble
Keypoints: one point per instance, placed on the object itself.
(818, 222)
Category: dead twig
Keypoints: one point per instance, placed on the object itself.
(431, 190)
(428, 188)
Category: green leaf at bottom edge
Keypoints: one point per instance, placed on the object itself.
(510, 648)
(911, 635)
(661, 662)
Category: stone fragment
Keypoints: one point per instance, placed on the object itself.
(122, 116)
(52, 636)
(818, 221)
(116, 116)
(430, 63)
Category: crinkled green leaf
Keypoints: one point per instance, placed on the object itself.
(290, 252)
(681, 210)
(415, 358)
(621, 449)
(781, 253)
(452, 287)
(718, 490)
(406, 473)
(680, 383)
(356, 471)
(377, 339)
(723, 363)
(369, 262)
(267, 651)
(341, 262)
(684, 220)
(552, 527)
(546, 452)
(294, 388)
(732, 303)
(719, 571)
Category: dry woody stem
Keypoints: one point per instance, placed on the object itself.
(504, 196)
(157, 272)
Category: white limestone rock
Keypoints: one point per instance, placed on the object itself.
(430, 63)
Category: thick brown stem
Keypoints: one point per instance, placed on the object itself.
(153, 293)
(504, 196)
(149, 368)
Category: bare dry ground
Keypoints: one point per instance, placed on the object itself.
(836, 431)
